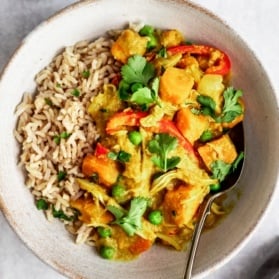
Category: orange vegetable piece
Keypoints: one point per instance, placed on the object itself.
(106, 169)
(175, 85)
(140, 245)
(91, 212)
(220, 149)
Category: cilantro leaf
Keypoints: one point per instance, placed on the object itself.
(161, 145)
(232, 108)
(137, 69)
(220, 169)
(208, 105)
(60, 214)
(142, 96)
(130, 222)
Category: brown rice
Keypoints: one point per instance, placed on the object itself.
(54, 110)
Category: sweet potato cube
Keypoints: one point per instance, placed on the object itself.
(220, 149)
(91, 212)
(175, 85)
(191, 125)
(106, 169)
(181, 203)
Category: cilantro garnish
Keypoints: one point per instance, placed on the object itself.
(161, 145)
(121, 156)
(75, 92)
(86, 74)
(220, 169)
(208, 105)
(48, 102)
(42, 204)
(130, 221)
(136, 85)
(60, 214)
(63, 135)
(232, 108)
(61, 175)
(137, 70)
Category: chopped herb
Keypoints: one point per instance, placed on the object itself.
(208, 104)
(161, 145)
(206, 136)
(86, 74)
(48, 102)
(237, 161)
(94, 177)
(75, 92)
(121, 156)
(124, 157)
(42, 204)
(61, 175)
(58, 85)
(162, 53)
(232, 108)
(63, 135)
(138, 69)
(60, 214)
(130, 221)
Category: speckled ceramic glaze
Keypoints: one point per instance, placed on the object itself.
(88, 20)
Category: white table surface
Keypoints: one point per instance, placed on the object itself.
(255, 21)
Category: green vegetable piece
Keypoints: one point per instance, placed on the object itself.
(118, 191)
(215, 187)
(232, 107)
(162, 53)
(136, 86)
(142, 96)
(112, 155)
(61, 175)
(86, 74)
(130, 222)
(65, 135)
(208, 105)
(137, 70)
(237, 161)
(75, 92)
(152, 43)
(57, 139)
(146, 30)
(104, 232)
(135, 137)
(107, 252)
(161, 145)
(42, 204)
(220, 170)
(48, 102)
(60, 214)
(155, 217)
(206, 136)
(123, 156)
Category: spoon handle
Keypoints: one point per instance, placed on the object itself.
(196, 238)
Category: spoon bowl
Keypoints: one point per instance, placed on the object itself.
(237, 135)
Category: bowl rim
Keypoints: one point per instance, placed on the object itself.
(273, 193)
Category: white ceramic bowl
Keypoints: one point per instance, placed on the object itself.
(89, 19)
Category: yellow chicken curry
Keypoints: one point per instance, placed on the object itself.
(164, 145)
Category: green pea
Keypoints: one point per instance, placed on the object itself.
(117, 190)
(152, 43)
(155, 217)
(135, 137)
(215, 187)
(104, 232)
(107, 252)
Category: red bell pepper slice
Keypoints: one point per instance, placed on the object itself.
(101, 150)
(222, 65)
(124, 118)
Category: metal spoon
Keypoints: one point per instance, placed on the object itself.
(227, 185)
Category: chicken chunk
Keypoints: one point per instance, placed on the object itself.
(175, 85)
(170, 38)
(128, 44)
